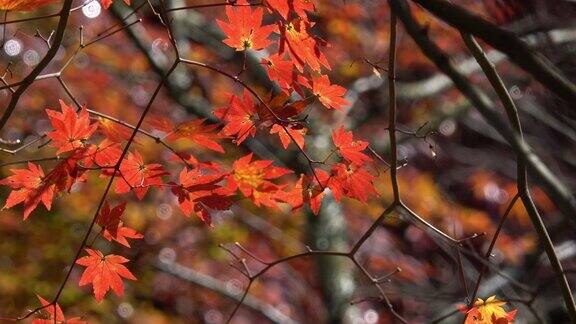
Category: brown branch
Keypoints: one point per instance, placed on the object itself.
(505, 41)
(491, 247)
(59, 35)
(192, 276)
(522, 175)
(104, 195)
(555, 189)
(392, 108)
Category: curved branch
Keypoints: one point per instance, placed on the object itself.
(190, 275)
(522, 181)
(58, 36)
(556, 190)
(506, 42)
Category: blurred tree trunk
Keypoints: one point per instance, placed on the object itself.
(327, 231)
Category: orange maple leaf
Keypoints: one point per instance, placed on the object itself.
(351, 181)
(113, 131)
(30, 188)
(280, 70)
(349, 149)
(71, 130)
(240, 117)
(244, 28)
(195, 130)
(55, 315)
(330, 95)
(490, 311)
(107, 3)
(283, 7)
(23, 5)
(198, 192)
(288, 128)
(113, 227)
(307, 190)
(252, 178)
(303, 48)
(104, 273)
(137, 176)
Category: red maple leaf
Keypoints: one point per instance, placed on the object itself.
(104, 273)
(104, 155)
(107, 3)
(113, 131)
(283, 7)
(23, 5)
(71, 130)
(252, 178)
(55, 315)
(330, 95)
(68, 172)
(280, 70)
(137, 176)
(29, 187)
(122, 234)
(288, 128)
(113, 227)
(240, 117)
(109, 219)
(195, 130)
(244, 28)
(198, 192)
(307, 190)
(351, 181)
(349, 149)
(303, 48)
(290, 133)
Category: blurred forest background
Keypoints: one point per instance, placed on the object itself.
(457, 171)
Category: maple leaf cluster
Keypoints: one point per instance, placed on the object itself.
(55, 314)
(71, 135)
(85, 144)
(295, 63)
(489, 311)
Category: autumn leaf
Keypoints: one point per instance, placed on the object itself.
(109, 218)
(287, 127)
(113, 131)
(302, 47)
(199, 192)
(330, 95)
(279, 70)
(281, 107)
(30, 188)
(24, 5)
(113, 228)
(252, 178)
(122, 234)
(107, 3)
(490, 311)
(137, 176)
(71, 130)
(288, 133)
(240, 117)
(105, 154)
(104, 273)
(55, 315)
(307, 191)
(198, 132)
(244, 28)
(283, 7)
(351, 181)
(349, 149)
